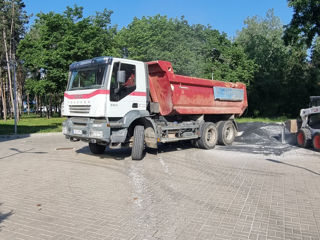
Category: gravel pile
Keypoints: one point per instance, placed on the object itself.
(262, 138)
(259, 133)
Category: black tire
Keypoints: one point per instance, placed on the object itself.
(304, 137)
(194, 143)
(209, 136)
(316, 142)
(138, 143)
(226, 132)
(96, 148)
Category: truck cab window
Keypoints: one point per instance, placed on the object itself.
(121, 90)
(86, 78)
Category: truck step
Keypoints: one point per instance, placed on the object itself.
(115, 145)
(179, 127)
(166, 140)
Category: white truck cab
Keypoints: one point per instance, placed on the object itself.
(104, 93)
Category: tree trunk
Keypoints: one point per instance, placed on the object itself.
(20, 77)
(40, 106)
(8, 61)
(28, 103)
(12, 56)
(50, 106)
(3, 96)
(37, 105)
(11, 48)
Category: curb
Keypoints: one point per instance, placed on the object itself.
(30, 135)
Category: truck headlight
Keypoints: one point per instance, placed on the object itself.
(62, 109)
(96, 134)
(64, 130)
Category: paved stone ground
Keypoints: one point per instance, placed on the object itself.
(49, 191)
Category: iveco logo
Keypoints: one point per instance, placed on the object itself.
(78, 96)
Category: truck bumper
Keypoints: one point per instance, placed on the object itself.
(86, 129)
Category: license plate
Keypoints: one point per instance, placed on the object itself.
(77, 131)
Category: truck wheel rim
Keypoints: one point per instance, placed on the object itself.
(211, 136)
(316, 142)
(229, 133)
(300, 138)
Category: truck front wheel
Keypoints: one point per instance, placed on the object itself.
(226, 132)
(96, 148)
(138, 143)
(316, 142)
(304, 137)
(209, 136)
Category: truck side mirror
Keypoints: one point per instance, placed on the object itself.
(121, 76)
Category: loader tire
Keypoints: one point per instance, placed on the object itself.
(96, 148)
(138, 143)
(209, 136)
(316, 142)
(226, 132)
(304, 137)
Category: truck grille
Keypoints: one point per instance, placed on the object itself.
(83, 109)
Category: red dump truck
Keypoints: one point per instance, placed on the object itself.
(118, 102)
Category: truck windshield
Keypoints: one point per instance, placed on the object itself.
(87, 78)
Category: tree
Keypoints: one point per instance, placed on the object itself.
(315, 68)
(305, 23)
(57, 40)
(187, 47)
(225, 60)
(281, 71)
(12, 25)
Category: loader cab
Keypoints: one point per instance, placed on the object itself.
(314, 101)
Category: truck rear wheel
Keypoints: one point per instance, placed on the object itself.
(138, 143)
(96, 148)
(316, 142)
(209, 136)
(226, 132)
(304, 137)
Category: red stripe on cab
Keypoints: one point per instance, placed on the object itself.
(97, 92)
(140, 94)
(86, 95)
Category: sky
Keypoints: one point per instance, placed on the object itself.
(224, 15)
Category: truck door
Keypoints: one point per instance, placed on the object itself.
(130, 95)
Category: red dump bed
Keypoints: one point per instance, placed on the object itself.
(178, 94)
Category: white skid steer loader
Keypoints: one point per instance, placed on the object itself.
(309, 132)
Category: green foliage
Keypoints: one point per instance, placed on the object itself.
(281, 85)
(305, 23)
(279, 78)
(315, 68)
(19, 18)
(57, 40)
(160, 38)
(187, 47)
(233, 65)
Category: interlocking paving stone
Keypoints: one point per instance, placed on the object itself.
(178, 193)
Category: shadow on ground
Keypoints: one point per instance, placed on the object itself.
(17, 151)
(116, 154)
(121, 154)
(4, 216)
(292, 165)
(256, 138)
